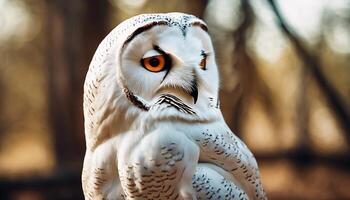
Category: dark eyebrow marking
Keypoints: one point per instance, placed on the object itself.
(201, 25)
(143, 29)
(167, 59)
(157, 48)
(204, 54)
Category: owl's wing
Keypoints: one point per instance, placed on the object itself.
(227, 151)
(98, 99)
(209, 184)
(99, 176)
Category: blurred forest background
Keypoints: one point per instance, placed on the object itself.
(285, 70)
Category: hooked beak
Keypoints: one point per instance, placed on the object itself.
(194, 90)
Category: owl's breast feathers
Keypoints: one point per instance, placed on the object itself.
(154, 177)
(160, 166)
(155, 167)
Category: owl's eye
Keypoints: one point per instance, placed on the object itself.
(203, 63)
(154, 63)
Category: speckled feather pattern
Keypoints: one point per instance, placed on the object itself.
(164, 147)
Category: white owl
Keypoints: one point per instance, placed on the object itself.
(153, 126)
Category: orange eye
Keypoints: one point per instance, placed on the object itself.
(203, 64)
(154, 63)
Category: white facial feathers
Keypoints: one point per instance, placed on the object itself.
(185, 54)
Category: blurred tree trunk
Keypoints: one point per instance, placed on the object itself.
(250, 86)
(199, 7)
(74, 30)
(311, 62)
(244, 65)
(302, 151)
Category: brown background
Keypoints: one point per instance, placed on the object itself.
(285, 90)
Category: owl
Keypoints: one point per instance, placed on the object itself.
(153, 125)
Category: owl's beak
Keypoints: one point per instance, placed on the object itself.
(194, 90)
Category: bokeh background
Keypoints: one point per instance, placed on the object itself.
(285, 90)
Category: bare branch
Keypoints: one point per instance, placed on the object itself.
(251, 84)
(310, 61)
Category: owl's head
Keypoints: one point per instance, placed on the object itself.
(164, 62)
(168, 54)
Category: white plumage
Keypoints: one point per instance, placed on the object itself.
(153, 125)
